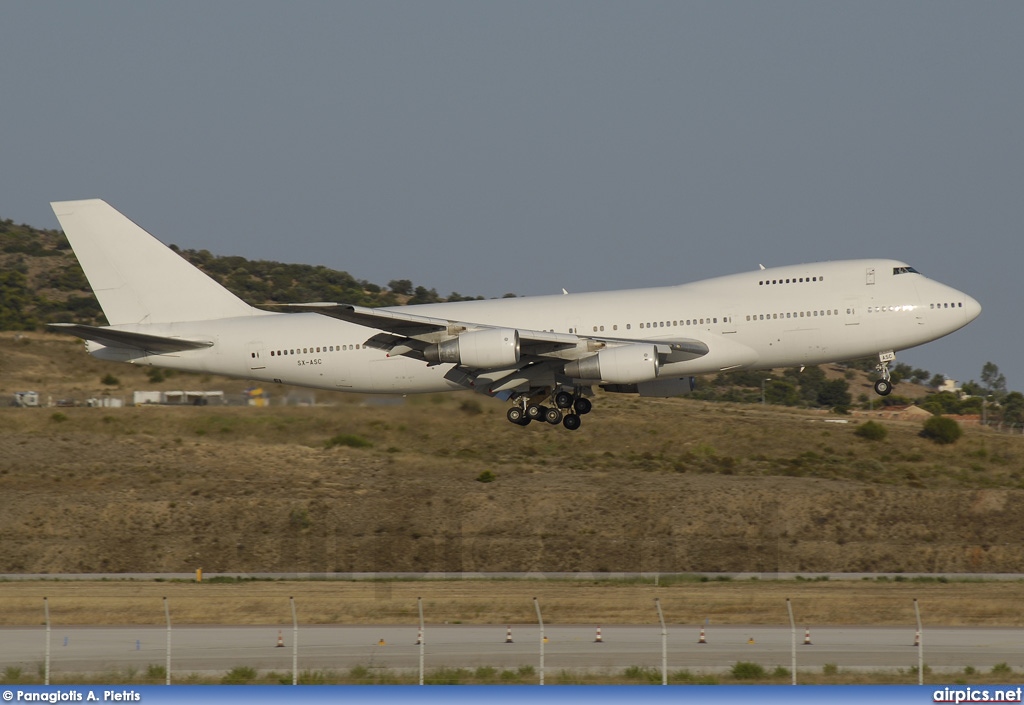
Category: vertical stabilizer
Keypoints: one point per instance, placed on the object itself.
(137, 278)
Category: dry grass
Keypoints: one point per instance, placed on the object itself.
(856, 603)
(666, 486)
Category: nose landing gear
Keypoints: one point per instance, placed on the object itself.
(884, 385)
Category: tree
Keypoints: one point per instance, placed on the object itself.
(422, 295)
(1013, 408)
(781, 393)
(937, 381)
(872, 431)
(942, 403)
(942, 430)
(402, 287)
(993, 380)
(834, 393)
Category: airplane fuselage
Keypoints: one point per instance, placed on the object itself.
(783, 316)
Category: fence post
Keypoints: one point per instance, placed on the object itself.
(792, 639)
(295, 644)
(664, 643)
(423, 638)
(46, 612)
(167, 668)
(540, 621)
(920, 648)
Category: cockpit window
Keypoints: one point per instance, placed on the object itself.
(904, 270)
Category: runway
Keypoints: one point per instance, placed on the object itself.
(212, 649)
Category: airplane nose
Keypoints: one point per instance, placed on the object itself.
(971, 308)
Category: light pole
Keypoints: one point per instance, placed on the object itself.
(768, 379)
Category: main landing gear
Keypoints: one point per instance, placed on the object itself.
(884, 385)
(566, 410)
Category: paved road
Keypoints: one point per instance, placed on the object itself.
(218, 649)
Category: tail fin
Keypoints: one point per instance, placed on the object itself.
(136, 278)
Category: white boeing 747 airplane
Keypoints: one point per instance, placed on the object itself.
(544, 353)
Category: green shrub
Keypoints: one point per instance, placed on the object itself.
(872, 431)
(110, 380)
(347, 439)
(486, 476)
(830, 669)
(471, 407)
(58, 417)
(359, 674)
(942, 430)
(446, 676)
(484, 673)
(642, 673)
(747, 671)
(239, 675)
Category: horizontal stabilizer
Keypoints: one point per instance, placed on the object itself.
(111, 337)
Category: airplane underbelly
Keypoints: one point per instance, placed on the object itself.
(803, 345)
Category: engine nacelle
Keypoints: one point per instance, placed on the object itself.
(626, 364)
(486, 349)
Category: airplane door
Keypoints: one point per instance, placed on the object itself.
(729, 322)
(256, 354)
(852, 313)
(870, 275)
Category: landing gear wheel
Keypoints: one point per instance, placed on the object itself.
(517, 416)
(571, 422)
(563, 400)
(535, 411)
(583, 406)
(553, 416)
(883, 387)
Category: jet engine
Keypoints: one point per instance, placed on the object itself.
(486, 349)
(626, 364)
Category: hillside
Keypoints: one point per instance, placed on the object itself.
(41, 281)
(361, 485)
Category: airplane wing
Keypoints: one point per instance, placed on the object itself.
(401, 327)
(539, 355)
(111, 337)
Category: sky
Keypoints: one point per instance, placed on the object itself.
(485, 148)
